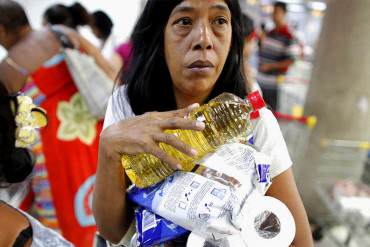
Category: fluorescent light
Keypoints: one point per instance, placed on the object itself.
(296, 8)
(320, 6)
(293, 1)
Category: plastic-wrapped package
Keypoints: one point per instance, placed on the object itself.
(152, 229)
(266, 221)
(208, 200)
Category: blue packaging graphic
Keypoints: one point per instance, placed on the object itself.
(153, 229)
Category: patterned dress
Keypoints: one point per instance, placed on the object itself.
(66, 156)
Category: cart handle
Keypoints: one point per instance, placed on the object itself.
(310, 121)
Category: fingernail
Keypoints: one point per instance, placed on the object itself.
(193, 152)
(193, 106)
(179, 167)
(200, 125)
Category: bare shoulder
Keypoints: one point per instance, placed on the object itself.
(11, 224)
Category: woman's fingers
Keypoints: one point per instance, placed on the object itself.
(160, 154)
(181, 123)
(176, 143)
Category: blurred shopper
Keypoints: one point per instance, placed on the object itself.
(276, 55)
(125, 51)
(71, 16)
(67, 154)
(250, 43)
(102, 27)
(17, 228)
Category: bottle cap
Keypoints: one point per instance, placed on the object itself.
(256, 100)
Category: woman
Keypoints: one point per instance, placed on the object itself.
(249, 45)
(69, 147)
(187, 54)
(15, 165)
(102, 26)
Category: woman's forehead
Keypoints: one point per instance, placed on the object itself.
(194, 5)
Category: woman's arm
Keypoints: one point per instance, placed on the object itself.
(109, 203)
(100, 60)
(90, 49)
(29, 54)
(284, 188)
(132, 136)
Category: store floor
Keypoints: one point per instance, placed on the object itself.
(337, 237)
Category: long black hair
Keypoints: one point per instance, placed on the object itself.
(16, 164)
(149, 84)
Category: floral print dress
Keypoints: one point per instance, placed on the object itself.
(69, 151)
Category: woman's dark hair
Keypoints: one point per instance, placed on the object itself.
(12, 15)
(149, 84)
(70, 16)
(102, 22)
(248, 26)
(15, 163)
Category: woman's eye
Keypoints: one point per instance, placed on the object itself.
(220, 21)
(183, 21)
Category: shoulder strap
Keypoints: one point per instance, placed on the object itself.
(23, 237)
(63, 38)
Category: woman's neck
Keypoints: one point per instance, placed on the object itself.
(183, 101)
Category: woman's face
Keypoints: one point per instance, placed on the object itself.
(197, 40)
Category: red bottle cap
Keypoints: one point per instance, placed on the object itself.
(256, 100)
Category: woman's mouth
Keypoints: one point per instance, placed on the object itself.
(201, 67)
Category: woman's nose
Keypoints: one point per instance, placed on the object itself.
(202, 39)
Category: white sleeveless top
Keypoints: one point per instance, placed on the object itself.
(43, 236)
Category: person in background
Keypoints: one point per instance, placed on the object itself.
(250, 43)
(125, 51)
(67, 154)
(17, 228)
(276, 54)
(185, 52)
(102, 27)
(72, 16)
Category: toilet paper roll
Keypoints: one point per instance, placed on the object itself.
(262, 228)
(257, 214)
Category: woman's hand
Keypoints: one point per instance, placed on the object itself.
(72, 34)
(142, 134)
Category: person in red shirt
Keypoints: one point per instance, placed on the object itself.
(276, 54)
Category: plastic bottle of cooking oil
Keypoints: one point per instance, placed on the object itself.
(227, 119)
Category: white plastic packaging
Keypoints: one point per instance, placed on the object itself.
(209, 199)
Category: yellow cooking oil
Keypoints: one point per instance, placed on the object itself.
(226, 119)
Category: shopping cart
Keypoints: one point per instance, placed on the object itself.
(296, 132)
(293, 87)
(291, 96)
(345, 197)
